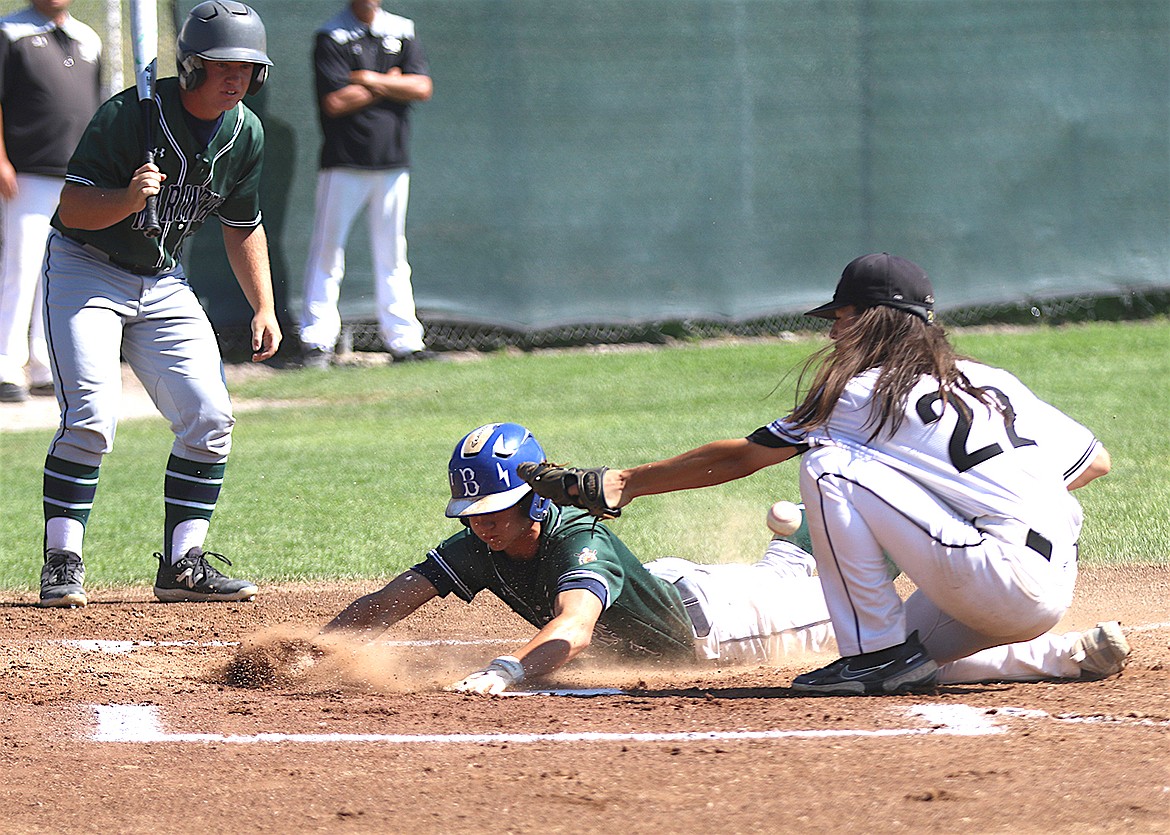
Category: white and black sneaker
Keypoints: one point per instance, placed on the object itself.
(62, 580)
(905, 668)
(193, 580)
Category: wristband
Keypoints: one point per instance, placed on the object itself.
(510, 666)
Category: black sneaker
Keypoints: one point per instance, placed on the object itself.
(316, 358)
(13, 393)
(62, 580)
(905, 668)
(193, 580)
(425, 355)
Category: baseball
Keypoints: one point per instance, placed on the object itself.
(784, 518)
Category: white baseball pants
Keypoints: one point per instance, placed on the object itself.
(22, 327)
(341, 194)
(974, 591)
(757, 613)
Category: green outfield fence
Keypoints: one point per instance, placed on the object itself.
(620, 170)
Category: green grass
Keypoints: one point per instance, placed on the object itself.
(351, 481)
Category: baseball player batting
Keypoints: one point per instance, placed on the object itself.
(112, 291)
(953, 468)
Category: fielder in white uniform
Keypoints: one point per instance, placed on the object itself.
(952, 468)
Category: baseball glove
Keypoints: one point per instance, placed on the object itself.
(570, 486)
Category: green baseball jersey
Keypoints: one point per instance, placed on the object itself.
(642, 615)
(220, 179)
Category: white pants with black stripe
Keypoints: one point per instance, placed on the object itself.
(974, 591)
(98, 313)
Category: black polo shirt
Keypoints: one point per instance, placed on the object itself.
(50, 86)
(376, 137)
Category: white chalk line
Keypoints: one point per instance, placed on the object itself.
(141, 724)
(1146, 627)
(1095, 719)
(111, 647)
(123, 647)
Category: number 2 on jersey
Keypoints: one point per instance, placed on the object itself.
(962, 458)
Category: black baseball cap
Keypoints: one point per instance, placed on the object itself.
(882, 279)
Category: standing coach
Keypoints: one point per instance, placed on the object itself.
(370, 69)
(50, 83)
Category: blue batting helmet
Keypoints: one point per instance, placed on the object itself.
(482, 471)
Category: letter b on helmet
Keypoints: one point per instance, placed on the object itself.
(482, 471)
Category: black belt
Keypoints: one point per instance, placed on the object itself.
(1039, 544)
(121, 265)
(692, 601)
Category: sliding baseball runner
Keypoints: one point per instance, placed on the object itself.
(111, 290)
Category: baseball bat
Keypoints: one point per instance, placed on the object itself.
(144, 33)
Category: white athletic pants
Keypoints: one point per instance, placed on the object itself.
(22, 328)
(341, 194)
(974, 591)
(1050, 656)
(757, 613)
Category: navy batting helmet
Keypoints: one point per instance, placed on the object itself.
(483, 475)
(222, 30)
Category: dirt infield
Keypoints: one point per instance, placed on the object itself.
(119, 718)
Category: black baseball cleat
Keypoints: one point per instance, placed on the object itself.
(905, 668)
(316, 358)
(62, 580)
(193, 580)
(424, 355)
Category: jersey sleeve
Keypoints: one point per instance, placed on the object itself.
(110, 149)
(778, 434)
(330, 64)
(5, 48)
(242, 206)
(585, 561)
(452, 568)
(414, 58)
(1064, 443)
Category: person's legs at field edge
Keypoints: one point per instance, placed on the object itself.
(401, 330)
(341, 195)
(22, 333)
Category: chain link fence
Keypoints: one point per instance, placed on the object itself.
(451, 336)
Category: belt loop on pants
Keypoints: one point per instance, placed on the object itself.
(692, 600)
(101, 255)
(1039, 544)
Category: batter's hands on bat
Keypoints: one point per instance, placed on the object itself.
(493, 679)
(571, 486)
(146, 182)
